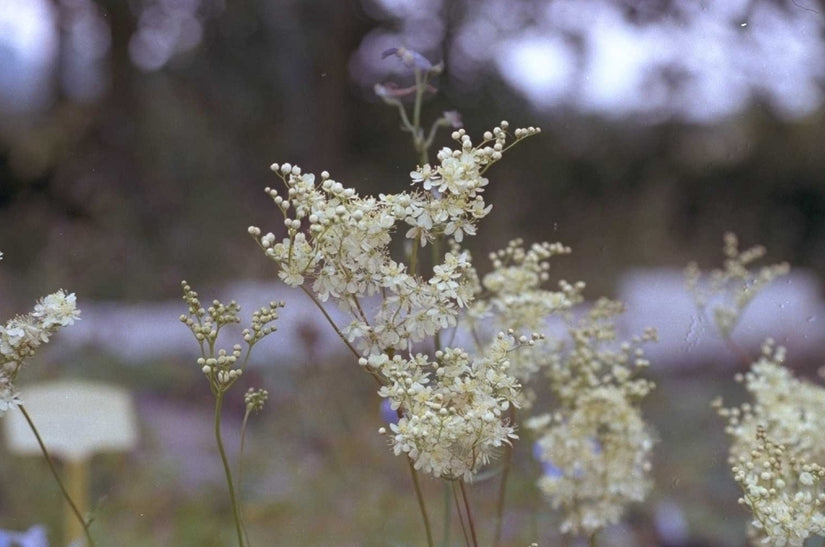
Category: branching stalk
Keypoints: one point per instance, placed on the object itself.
(469, 513)
(460, 515)
(421, 504)
(227, 470)
(502, 493)
(445, 541)
(56, 476)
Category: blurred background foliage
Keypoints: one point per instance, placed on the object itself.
(154, 176)
(138, 157)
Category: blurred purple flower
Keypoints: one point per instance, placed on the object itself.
(550, 470)
(33, 537)
(387, 414)
(453, 117)
(411, 58)
(547, 467)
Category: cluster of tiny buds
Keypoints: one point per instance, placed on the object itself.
(522, 340)
(224, 314)
(498, 134)
(525, 132)
(286, 169)
(205, 323)
(535, 257)
(255, 399)
(191, 298)
(772, 454)
(260, 322)
(222, 363)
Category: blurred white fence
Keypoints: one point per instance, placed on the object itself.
(136, 333)
(791, 311)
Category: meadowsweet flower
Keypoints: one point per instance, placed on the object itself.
(339, 241)
(516, 298)
(22, 335)
(777, 440)
(595, 439)
(599, 451)
(9, 397)
(452, 410)
(451, 406)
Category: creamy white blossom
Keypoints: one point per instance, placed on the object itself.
(600, 450)
(22, 335)
(595, 439)
(452, 411)
(777, 448)
(452, 403)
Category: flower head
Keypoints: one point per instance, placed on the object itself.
(22, 335)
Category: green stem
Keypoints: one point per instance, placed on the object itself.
(227, 471)
(330, 321)
(421, 504)
(414, 255)
(418, 140)
(469, 513)
(460, 515)
(53, 469)
(502, 494)
(445, 542)
(592, 540)
(240, 466)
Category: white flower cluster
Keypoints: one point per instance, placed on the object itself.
(451, 410)
(596, 441)
(340, 241)
(731, 289)
(777, 441)
(21, 336)
(516, 300)
(452, 405)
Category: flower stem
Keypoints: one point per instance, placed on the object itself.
(240, 465)
(330, 321)
(421, 504)
(469, 513)
(502, 494)
(460, 515)
(445, 541)
(53, 469)
(227, 471)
